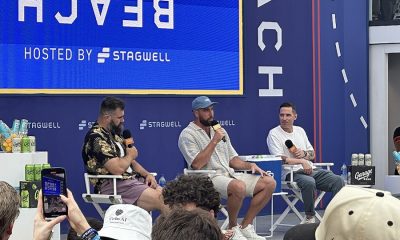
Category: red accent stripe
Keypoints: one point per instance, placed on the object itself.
(319, 84)
(313, 70)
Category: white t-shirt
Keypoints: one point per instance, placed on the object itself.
(276, 144)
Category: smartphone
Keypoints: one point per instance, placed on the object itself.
(53, 184)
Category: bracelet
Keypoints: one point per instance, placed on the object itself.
(305, 154)
(89, 234)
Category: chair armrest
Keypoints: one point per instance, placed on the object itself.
(323, 164)
(190, 171)
(105, 176)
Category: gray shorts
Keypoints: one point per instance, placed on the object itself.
(129, 189)
(221, 183)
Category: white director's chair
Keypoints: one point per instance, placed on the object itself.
(96, 198)
(292, 199)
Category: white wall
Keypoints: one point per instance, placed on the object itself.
(393, 102)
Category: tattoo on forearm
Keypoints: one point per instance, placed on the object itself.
(310, 155)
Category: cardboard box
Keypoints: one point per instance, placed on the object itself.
(29, 193)
(362, 175)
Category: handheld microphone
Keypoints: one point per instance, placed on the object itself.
(126, 134)
(215, 125)
(289, 144)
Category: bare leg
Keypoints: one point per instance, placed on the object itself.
(151, 199)
(236, 194)
(262, 194)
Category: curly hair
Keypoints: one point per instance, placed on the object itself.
(9, 206)
(197, 189)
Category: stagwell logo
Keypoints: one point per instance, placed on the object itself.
(159, 124)
(44, 125)
(103, 55)
(85, 124)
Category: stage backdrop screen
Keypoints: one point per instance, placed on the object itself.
(122, 47)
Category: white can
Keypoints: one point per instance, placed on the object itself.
(354, 159)
(16, 145)
(32, 141)
(361, 159)
(368, 160)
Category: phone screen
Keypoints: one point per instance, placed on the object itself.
(53, 184)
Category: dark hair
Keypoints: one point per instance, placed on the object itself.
(288, 104)
(93, 222)
(181, 224)
(197, 189)
(110, 104)
(396, 133)
(9, 206)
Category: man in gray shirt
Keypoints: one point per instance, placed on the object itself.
(206, 148)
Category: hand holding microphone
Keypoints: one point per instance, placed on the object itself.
(218, 129)
(298, 153)
(128, 140)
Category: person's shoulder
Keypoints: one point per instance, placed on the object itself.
(274, 130)
(298, 129)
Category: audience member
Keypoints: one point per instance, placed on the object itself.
(354, 213)
(181, 224)
(105, 153)
(396, 142)
(207, 148)
(9, 209)
(307, 177)
(126, 222)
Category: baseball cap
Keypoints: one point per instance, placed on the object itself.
(126, 222)
(359, 213)
(202, 102)
(396, 134)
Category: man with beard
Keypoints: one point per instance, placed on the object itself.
(205, 148)
(105, 153)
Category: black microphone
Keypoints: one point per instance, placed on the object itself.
(126, 134)
(289, 144)
(215, 125)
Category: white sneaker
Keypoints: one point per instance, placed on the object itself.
(250, 233)
(307, 220)
(237, 233)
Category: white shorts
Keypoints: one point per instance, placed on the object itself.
(221, 183)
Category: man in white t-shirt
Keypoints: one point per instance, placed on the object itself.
(308, 177)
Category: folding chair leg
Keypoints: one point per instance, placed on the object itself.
(291, 206)
(99, 209)
(226, 222)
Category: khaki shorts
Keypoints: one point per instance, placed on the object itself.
(221, 183)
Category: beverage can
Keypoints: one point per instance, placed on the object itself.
(38, 172)
(15, 126)
(25, 144)
(4, 130)
(29, 172)
(16, 145)
(23, 128)
(354, 159)
(25, 199)
(32, 144)
(361, 159)
(368, 160)
(46, 165)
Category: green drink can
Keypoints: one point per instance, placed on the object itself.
(46, 165)
(38, 172)
(29, 172)
(25, 199)
(25, 144)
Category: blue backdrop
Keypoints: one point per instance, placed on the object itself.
(311, 77)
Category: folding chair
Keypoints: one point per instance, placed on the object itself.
(296, 196)
(94, 197)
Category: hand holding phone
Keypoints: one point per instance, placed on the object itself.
(53, 185)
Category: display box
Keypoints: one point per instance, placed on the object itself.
(268, 163)
(361, 175)
(29, 193)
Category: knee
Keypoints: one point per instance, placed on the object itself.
(269, 184)
(237, 188)
(339, 183)
(308, 185)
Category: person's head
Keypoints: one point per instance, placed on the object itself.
(181, 224)
(126, 222)
(287, 115)
(192, 191)
(203, 110)
(112, 114)
(93, 222)
(396, 139)
(357, 213)
(9, 209)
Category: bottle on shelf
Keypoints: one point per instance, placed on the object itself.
(344, 172)
(162, 181)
